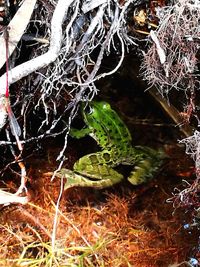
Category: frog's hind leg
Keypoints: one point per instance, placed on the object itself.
(92, 170)
(147, 166)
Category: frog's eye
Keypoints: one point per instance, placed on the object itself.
(88, 110)
(106, 105)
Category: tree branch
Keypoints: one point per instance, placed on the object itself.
(32, 65)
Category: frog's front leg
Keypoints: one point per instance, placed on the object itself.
(91, 171)
(79, 133)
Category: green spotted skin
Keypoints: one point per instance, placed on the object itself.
(97, 169)
(106, 127)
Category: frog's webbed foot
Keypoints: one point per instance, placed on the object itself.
(147, 167)
(73, 179)
(108, 177)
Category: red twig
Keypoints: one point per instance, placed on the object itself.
(14, 126)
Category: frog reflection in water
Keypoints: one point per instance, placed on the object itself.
(96, 169)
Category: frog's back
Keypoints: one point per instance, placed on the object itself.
(107, 127)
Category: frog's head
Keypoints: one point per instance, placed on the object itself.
(94, 112)
(105, 125)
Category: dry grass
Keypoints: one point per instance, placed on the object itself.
(177, 35)
(118, 227)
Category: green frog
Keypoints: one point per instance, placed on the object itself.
(112, 135)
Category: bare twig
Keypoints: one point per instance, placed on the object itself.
(177, 69)
(16, 28)
(7, 198)
(32, 65)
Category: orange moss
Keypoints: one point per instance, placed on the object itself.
(120, 226)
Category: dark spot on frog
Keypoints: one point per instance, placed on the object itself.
(129, 149)
(94, 159)
(106, 156)
(118, 139)
(116, 133)
(109, 124)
